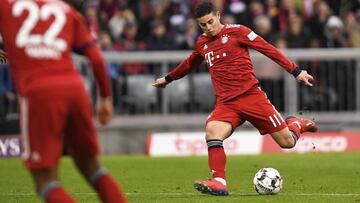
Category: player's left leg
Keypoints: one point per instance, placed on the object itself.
(80, 136)
(216, 132)
(220, 124)
(97, 176)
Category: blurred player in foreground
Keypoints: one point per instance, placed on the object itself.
(238, 95)
(39, 37)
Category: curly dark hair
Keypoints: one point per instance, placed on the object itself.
(77, 4)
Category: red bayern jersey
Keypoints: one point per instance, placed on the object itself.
(228, 60)
(39, 37)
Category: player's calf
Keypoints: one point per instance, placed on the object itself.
(106, 187)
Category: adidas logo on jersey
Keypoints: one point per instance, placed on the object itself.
(205, 46)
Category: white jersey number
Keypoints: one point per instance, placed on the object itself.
(49, 39)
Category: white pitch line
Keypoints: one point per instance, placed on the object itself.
(192, 194)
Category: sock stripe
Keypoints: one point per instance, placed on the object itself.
(97, 175)
(294, 136)
(215, 144)
(214, 140)
(44, 192)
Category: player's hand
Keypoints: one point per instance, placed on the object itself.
(105, 111)
(3, 57)
(161, 82)
(305, 78)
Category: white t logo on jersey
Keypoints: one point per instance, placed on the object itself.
(209, 57)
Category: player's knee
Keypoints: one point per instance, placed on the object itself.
(218, 130)
(211, 133)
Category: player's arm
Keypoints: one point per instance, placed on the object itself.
(105, 107)
(185, 67)
(252, 40)
(3, 57)
(85, 45)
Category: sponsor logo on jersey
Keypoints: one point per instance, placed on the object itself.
(252, 35)
(225, 39)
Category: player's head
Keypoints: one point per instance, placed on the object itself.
(208, 18)
(78, 4)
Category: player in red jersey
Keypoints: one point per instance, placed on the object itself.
(238, 96)
(39, 37)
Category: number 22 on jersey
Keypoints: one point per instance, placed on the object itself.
(40, 45)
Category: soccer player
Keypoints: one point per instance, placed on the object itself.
(238, 95)
(39, 37)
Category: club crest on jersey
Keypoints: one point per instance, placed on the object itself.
(225, 39)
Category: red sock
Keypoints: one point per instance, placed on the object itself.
(217, 161)
(58, 195)
(108, 190)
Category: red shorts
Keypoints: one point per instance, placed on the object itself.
(253, 106)
(52, 116)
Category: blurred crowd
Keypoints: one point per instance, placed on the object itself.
(138, 25)
(128, 25)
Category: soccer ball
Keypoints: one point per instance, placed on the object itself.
(268, 181)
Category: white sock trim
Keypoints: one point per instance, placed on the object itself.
(97, 175)
(221, 180)
(44, 192)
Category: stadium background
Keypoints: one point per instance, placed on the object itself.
(142, 40)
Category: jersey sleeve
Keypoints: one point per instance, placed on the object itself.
(82, 36)
(187, 65)
(84, 44)
(1, 23)
(250, 39)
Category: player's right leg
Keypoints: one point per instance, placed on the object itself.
(262, 114)
(41, 125)
(48, 187)
(287, 137)
(301, 125)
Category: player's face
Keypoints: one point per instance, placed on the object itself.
(210, 24)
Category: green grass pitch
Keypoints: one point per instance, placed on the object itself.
(331, 177)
